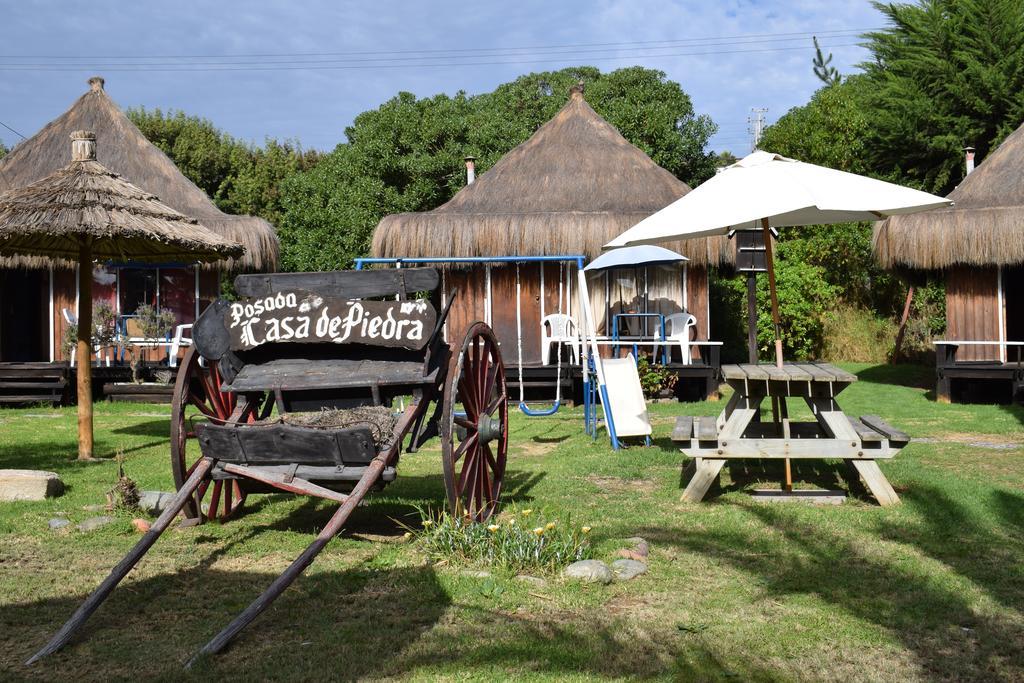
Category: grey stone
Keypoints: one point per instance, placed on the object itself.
(58, 523)
(476, 573)
(628, 569)
(534, 581)
(94, 523)
(589, 571)
(154, 502)
(29, 485)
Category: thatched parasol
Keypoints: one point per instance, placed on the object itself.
(984, 227)
(85, 212)
(574, 185)
(127, 152)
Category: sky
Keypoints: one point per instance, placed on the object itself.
(305, 70)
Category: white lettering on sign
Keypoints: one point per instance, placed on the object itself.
(301, 317)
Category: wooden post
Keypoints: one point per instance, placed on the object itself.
(903, 325)
(752, 317)
(84, 351)
(770, 265)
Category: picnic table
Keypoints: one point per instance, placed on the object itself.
(739, 432)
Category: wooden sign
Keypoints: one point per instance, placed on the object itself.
(303, 317)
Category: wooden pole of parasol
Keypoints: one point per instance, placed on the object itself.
(84, 351)
(770, 264)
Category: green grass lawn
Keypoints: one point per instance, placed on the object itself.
(738, 590)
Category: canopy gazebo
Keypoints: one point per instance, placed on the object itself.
(977, 246)
(51, 283)
(572, 186)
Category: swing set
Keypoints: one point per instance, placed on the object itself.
(588, 367)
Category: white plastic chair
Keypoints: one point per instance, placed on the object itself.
(677, 331)
(177, 342)
(559, 328)
(72, 319)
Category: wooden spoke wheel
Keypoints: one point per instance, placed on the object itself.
(197, 396)
(474, 441)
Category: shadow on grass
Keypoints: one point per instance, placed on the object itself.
(338, 625)
(903, 375)
(161, 428)
(60, 456)
(932, 616)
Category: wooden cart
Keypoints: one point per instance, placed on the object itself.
(335, 347)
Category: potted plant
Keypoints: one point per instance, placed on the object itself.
(103, 333)
(152, 324)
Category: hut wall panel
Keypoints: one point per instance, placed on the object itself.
(469, 302)
(972, 311)
(503, 311)
(697, 302)
(63, 298)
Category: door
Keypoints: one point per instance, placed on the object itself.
(23, 315)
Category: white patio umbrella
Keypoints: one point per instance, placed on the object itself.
(765, 190)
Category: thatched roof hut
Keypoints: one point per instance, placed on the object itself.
(569, 189)
(84, 201)
(985, 226)
(125, 150)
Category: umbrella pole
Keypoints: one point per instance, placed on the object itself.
(770, 264)
(84, 351)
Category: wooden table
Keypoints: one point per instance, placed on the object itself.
(738, 431)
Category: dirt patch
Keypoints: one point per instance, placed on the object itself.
(532, 448)
(617, 485)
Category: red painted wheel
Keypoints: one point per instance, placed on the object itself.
(197, 396)
(474, 440)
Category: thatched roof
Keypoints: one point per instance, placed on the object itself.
(125, 150)
(985, 226)
(569, 189)
(84, 200)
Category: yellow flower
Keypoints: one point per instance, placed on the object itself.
(539, 531)
(526, 513)
(493, 527)
(549, 526)
(585, 529)
(407, 535)
(428, 523)
(512, 522)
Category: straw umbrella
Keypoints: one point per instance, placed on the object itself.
(763, 190)
(85, 212)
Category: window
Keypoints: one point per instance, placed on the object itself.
(166, 289)
(138, 286)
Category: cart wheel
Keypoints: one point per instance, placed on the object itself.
(477, 436)
(199, 388)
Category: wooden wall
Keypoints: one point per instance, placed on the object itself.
(470, 304)
(972, 312)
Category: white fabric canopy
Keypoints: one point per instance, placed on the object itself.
(785, 191)
(634, 257)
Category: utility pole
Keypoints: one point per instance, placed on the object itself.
(755, 125)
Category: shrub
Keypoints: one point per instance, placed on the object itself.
(857, 335)
(516, 541)
(655, 377)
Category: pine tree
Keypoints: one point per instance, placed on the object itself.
(944, 75)
(828, 75)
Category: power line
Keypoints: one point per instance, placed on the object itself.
(411, 59)
(12, 130)
(330, 66)
(650, 43)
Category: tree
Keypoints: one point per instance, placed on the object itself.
(240, 178)
(3, 150)
(828, 75)
(407, 155)
(945, 75)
